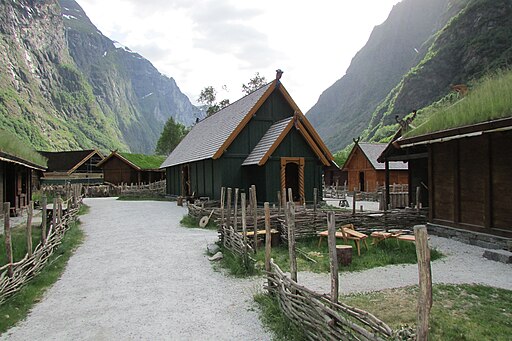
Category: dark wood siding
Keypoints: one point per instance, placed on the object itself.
(116, 171)
(444, 158)
(472, 180)
(501, 165)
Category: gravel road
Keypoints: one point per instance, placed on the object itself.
(140, 276)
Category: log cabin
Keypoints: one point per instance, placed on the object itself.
(127, 168)
(76, 166)
(366, 174)
(263, 139)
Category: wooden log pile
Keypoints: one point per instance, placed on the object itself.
(13, 276)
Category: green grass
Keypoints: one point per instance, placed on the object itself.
(144, 161)
(490, 99)
(17, 307)
(12, 145)
(387, 252)
(274, 320)
(459, 312)
(235, 265)
(19, 243)
(192, 222)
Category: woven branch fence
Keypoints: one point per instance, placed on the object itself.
(321, 318)
(13, 276)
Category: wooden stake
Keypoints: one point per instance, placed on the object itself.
(290, 195)
(7, 234)
(268, 240)
(255, 216)
(244, 229)
(283, 197)
(228, 218)
(425, 282)
(43, 218)
(315, 199)
(29, 227)
(279, 201)
(333, 256)
(54, 213)
(418, 191)
(354, 203)
(290, 210)
(235, 225)
(222, 197)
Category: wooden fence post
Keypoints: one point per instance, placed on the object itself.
(222, 197)
(268, 240)
(235, 224)
(228, 218)
(315, 199)
(7, 235)
(54, 213)
(418, 191)
(255, 215)
(279, 201)
(43, 222)
(290, 211)
(29, 227)
(425, 282)
(333, 256)
(244, 230)
(283, 198)
(354, 202)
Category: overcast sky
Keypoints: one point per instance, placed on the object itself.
(224, 42)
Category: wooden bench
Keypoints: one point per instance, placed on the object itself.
(274, 234)
(347, 232)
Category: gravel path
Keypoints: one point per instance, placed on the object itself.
(463, 264)
(140, 276)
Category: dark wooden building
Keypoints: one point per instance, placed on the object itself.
(467, 173)
(77, 166)
(16, 180)
(366, 174)
(262, 139)
(333, 175)
(129, 168)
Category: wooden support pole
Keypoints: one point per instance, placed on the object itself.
(222, 198)
(354, 202)
(333, 258)
(43, 218)
(228, 218)
(279, 201)
(7, 235)
(235, 224)
(425, 282)
(30, 211)
(255, 216)
(244, 229)
(268, 240)
(290, 211)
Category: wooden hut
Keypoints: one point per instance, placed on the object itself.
(366, 174)
(464, 173)
(77, 166)
(333, 175)
(18, 163)
(129, 168)
(262, 139)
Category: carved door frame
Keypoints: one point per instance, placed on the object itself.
(299, 161)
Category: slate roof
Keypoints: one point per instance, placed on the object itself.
(373, 151)
(266, 142)
(208, 135)
(65, 161)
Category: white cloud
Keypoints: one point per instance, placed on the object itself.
(217, 42)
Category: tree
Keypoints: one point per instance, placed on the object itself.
(171, 136)
(254, 83)
(208, 97)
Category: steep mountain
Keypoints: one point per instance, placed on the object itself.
(124, 83)
(63, 85)
(475, 42)
(344, 109)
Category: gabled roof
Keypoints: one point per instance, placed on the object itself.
(139, 162)
(68, 161)
(372, 151)
(13, 149)
(210, 137)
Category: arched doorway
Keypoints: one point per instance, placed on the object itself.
(292, 176)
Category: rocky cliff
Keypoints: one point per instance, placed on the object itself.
(63, 85)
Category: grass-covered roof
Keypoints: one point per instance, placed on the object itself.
(11, 145)
(488, 100)
(144, 161)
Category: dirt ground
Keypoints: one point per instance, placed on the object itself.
(139, 275)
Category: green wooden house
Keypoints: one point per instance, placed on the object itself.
(262, 139)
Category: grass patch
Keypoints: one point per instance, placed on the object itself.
(235, 265)
(12, 145)
(490, 99)
(17, 307)
(19, 243)
(274, 320)
(387, 252)
(192, 222)
(144, 161)
(459, 312)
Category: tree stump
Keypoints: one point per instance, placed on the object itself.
(344, 253)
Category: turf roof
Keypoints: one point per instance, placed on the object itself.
(11, 145)
(144, 161)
